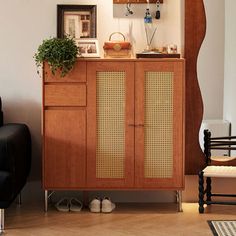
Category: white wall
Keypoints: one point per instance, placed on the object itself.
(211, 60)
(230, 64)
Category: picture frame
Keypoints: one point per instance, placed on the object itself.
(88, 47)
(77, 21)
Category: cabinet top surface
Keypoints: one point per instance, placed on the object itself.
(131, 59)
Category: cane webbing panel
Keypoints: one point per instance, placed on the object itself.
(158, 125)
(110, 149)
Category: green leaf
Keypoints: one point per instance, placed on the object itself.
(59, 53)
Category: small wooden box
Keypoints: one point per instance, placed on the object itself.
(117, 49)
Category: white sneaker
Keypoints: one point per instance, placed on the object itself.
(95, 205)
(107, 205)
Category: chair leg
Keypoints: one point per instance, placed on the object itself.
(208, 190)
(201, 192)
(1, 220)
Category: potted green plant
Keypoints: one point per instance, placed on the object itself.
(59, 53)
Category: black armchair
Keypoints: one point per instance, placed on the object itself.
(15, 162)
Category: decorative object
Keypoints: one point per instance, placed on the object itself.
(77, 21)
(222, 227)
(117, 48)
(147, 17)
(88, 47)
(158, 12)
(172, 49)
(59, 53)
(128, 11)
(155, 54)
(195, 30)
(134, 1)
(149, 41)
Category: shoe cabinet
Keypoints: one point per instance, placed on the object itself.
(114, 124)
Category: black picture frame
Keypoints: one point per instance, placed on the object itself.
(61, 9)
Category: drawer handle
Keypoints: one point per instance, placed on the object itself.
(133, 125)
(140, 125)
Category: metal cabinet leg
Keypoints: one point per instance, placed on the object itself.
(46, 200)
(19, 199)
(47, 197)
(1, 220)
(179, 201)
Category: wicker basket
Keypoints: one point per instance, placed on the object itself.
(117, 49)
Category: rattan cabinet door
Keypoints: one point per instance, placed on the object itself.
(159, 122)
(110, 125)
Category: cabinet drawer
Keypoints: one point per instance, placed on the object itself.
(65, 95)
(77, 74)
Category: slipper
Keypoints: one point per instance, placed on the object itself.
(63, 205)
(75, 205)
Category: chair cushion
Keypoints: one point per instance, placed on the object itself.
(220, 171)
(222, 158)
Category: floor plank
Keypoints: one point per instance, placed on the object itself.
(127, 219)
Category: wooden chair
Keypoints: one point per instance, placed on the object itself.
(214, 171)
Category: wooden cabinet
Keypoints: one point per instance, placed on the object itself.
(120, 125)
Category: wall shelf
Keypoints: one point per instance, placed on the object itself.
(134, 1)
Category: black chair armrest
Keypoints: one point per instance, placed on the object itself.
(15, 149)
(1, 113)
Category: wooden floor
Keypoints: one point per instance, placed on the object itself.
(127, 219)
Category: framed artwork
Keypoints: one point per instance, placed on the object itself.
(77, 21)
(88, 47)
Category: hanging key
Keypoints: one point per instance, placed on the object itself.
(158, 12)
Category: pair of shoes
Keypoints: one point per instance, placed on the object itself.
(69, 204)
(105, 206)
